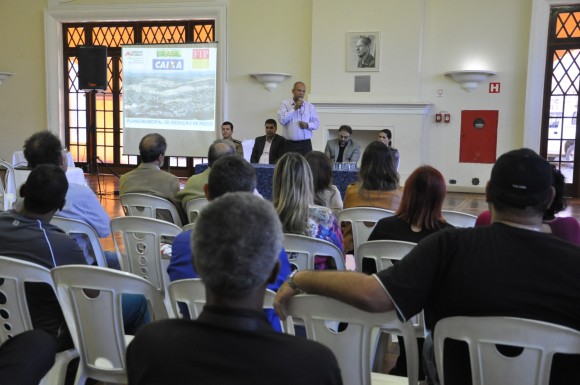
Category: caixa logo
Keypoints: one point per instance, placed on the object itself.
(167, 64)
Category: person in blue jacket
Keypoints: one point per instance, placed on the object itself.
(231, 173)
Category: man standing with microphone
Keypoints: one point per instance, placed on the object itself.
(299, 119)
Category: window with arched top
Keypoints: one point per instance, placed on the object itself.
(561, 93)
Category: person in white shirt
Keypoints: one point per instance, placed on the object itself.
(299, 119)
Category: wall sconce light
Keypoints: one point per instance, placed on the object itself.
(469, 79)
(4, 76)
(270, 80)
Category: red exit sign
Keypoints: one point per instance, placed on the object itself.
(494, 88)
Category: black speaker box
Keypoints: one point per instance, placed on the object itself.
(92, 67)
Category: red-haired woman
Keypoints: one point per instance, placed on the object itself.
(418, 215)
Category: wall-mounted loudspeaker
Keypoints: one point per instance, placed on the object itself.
(92, 68)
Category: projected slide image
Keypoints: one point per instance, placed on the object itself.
(169, 87)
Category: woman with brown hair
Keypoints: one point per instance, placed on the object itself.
(419, 213)
(325, 193)
(377, 186)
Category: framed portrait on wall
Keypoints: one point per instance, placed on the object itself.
(363, 51)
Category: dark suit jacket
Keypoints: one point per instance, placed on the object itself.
(276, 149)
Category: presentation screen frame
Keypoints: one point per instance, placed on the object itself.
(170, 89)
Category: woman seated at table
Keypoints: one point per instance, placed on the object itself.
(377, 186)
(325, 193)
(418, 216)
(566, 228)
(293, 199)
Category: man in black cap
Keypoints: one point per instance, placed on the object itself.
(510, 268)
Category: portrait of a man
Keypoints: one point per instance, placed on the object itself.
(362, 51)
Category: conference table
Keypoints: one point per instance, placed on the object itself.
(265, 172)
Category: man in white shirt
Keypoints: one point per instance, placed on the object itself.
(299, 119)
(268, 148)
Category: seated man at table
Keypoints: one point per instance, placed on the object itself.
(268, 148)
(510, 268)
(229, 174)
(235, 250)
(194, 187)
(81, 202)
(148, 178)
(343, 149)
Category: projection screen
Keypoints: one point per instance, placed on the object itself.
(170, 89)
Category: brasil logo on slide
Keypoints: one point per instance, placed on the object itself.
(200, 58)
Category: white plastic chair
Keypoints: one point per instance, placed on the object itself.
(96, 322)
(76, 227)
(302, 249)
(459, 219)
(363, 220)
(15, 315)
(540, 340)
(138, 243)
(193, 207)
(383, 252)
(352, 347)
(191, 293)
(149, 206)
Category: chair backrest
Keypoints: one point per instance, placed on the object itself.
(301, 250)
(80, 228)
(138, 242)
(14, 273)
(352, 346)
(383, 252)
(193, 207)
(191, 294)
(95, 319)
(540, 340)
(459, 219)
(149, 206)
(363, 220)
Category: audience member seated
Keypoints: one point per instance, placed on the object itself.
(227, 132)
(81, 202)
(343, 149)
(26, 358)
(566, 228)
(27, 234)
(148, 178)
(235, 250)
(268, 148)
(293, 198)
(194, 187)
(511, 268)
(385, 137)
(325, 193)
(377, 186)
(229, 174)
(418, 216)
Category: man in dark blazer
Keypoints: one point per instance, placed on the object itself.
(270, 147)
